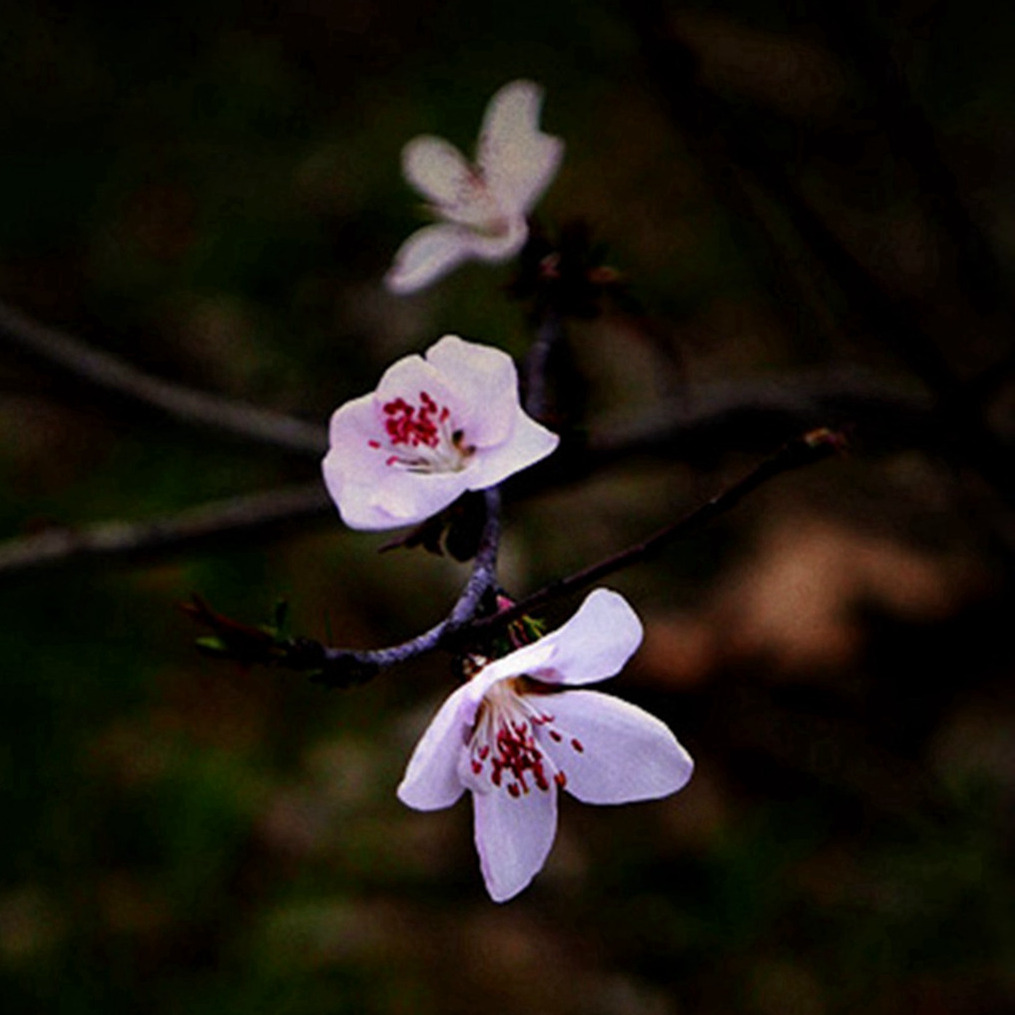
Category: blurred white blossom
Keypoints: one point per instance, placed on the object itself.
(482, 206)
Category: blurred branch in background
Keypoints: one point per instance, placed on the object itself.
(747, 415)
(93, 368)
(256, 516)
(747, 173)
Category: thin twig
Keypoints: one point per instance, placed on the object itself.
(110, 374)
(464, 626)
(810, 448)
(205, 525)
(340, 667)
(549, 332)
(747, 415)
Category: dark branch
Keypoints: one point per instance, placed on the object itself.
(738, 416)
(111, 375)
(466, 626)
(810, 448)
(549, 333)
(192, 528)
(335, 667)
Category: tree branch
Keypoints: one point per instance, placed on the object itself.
(812, 447)
(336, 667)
(464, 627)
(109, 374)
(735, 416)
(205, 525)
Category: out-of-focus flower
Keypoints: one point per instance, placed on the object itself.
(517, 732)
(434, 428)
(482, 206)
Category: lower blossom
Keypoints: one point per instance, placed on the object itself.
(520, 730)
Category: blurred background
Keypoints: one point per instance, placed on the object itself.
(812, 207)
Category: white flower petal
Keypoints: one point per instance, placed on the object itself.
(431, 778)
(429, 254)
(352, 468)
(529, 443)
(409, 377)
(513, 837)
(392, 502)
(486, 383)
(625, 754)
(595, 643)
(523, 660)
(371, 495)
(434, 428)
(438, 170)
(500, 246)
(405, 498)
(517, 160)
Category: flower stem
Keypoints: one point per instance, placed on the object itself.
(342, 667)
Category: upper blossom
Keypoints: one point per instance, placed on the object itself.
(518, 731)
(434, 428)
(483, 205)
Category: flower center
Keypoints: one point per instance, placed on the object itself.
(475, 206)
(504, 749)
(422, 437)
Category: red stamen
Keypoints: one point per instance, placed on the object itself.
(514, 752)
(577, 745)
(414, 425)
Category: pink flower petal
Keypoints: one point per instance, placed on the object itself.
(518, 160)
(429, 254)
(612, 752)
(513, 837)
(431, 778)
(595, 643)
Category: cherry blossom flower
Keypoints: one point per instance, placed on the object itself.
(517, 732)
(434, 428)
(482, 206)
